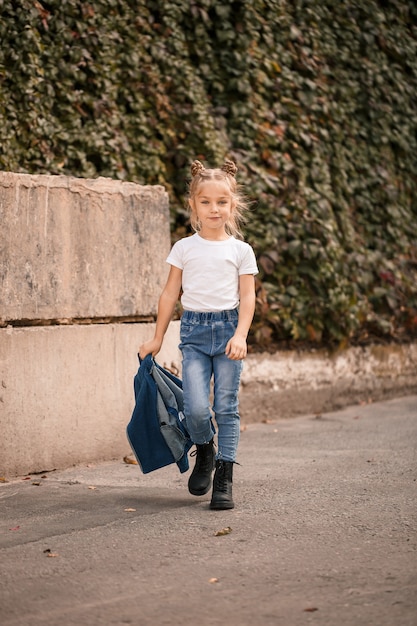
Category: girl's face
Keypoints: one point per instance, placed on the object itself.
(213, 204)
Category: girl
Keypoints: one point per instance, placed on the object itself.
(215, 270)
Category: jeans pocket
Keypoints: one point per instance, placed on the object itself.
(186, 331)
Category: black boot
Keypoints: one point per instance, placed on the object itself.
(222, 486)
(200, 480)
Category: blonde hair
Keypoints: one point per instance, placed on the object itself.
(224, 173)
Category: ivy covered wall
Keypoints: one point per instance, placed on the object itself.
(315, 100)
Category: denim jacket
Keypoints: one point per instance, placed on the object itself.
(156, 431)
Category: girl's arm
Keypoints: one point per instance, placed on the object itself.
(166, 306)
(237, 348)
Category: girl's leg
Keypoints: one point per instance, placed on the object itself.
(196, 375)
(226, 388)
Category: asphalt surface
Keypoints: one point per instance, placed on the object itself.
(324, 532)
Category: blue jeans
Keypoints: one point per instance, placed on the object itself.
(203, 342)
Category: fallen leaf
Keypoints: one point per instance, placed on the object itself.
(266, 421)
(213, 580)
(223, 531)
(92, 487)
(15, 528)
(130, 510)
(311, 609)
(36, 482)
(3, 479)
(52, 555)
(130, 460)
(27, 478)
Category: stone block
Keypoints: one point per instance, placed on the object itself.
(76, 249)
(66, 392)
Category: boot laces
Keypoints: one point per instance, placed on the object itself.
(221, 478)
(204, 460)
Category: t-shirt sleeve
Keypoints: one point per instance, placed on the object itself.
(248, 264)
(175, 257)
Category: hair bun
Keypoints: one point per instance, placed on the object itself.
(196, 168)
(229, 167)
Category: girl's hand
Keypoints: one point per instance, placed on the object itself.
(152, 346)
(236, 348)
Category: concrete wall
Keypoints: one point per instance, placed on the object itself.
(289, 383)
(77, 259)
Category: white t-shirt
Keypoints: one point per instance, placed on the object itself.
(211, 270)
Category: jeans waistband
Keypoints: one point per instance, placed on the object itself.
(208, 317)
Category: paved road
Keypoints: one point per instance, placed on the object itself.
(324, 532)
